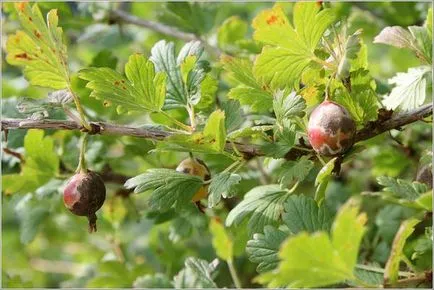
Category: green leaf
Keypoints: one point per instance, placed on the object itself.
(233, 113)
(347, 232)
(285, 141)
(288, 106)
(410, 90)
(185, 73)
(294, 171)
(264, 205)
(169, 187)
(211, 140)
(317, 260)
(163, 57)
(390, 162)
(39, 48)
(263, 249)
(249, 92)
(232, 30)
(221, 185)
(142, 89)
(425, 201)
(208, 90)
(216, 130)
(221, 241)
(282, 65)
(41, 164)
(258, 100)
(362, 105)
(302, 214)
(157, 280)
(196, 274)
(401, 188)
(392, 265)
(252, 132)
(322, 180)
(31, 219)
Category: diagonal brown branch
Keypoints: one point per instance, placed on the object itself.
(371, 130)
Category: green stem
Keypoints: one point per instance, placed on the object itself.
(82, 161)
(80, 110)
(234, 274)
(323, 62)
(181, 125)
(380, 270)
(190, 110)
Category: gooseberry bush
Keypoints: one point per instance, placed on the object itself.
(209, 145)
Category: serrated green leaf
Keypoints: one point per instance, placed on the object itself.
(257, 99)
(222, 243)
(142, 89)
(249, 92)
(41, 164)
(317, 260)
(302, 214)
(169, 187)
(241, 70)
(163, 57)
(362, 105)
(282, 65)
(264, 205)
(233, 114)
(39, 48)
(392, 265)
(232, 30)
(401, 188)
(291, 172)
(322, 180)
(208, 90)
(221, 186)
(288, 106)
(285, 141)
(196, 274)
(263, 249)
(185, 73)
(157, 280)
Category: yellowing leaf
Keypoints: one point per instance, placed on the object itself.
(221, 241)
(39, 48)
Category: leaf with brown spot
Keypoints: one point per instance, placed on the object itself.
(35, 48)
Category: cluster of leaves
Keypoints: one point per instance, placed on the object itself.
(290, 217)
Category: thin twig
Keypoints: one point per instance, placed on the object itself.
(162, 28)
(248, 150)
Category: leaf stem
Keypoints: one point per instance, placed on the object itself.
(234, 274)
(323, 62)
(380, 270)
(82, 161)
(190, 110)
(180, 124)
(80, 110)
